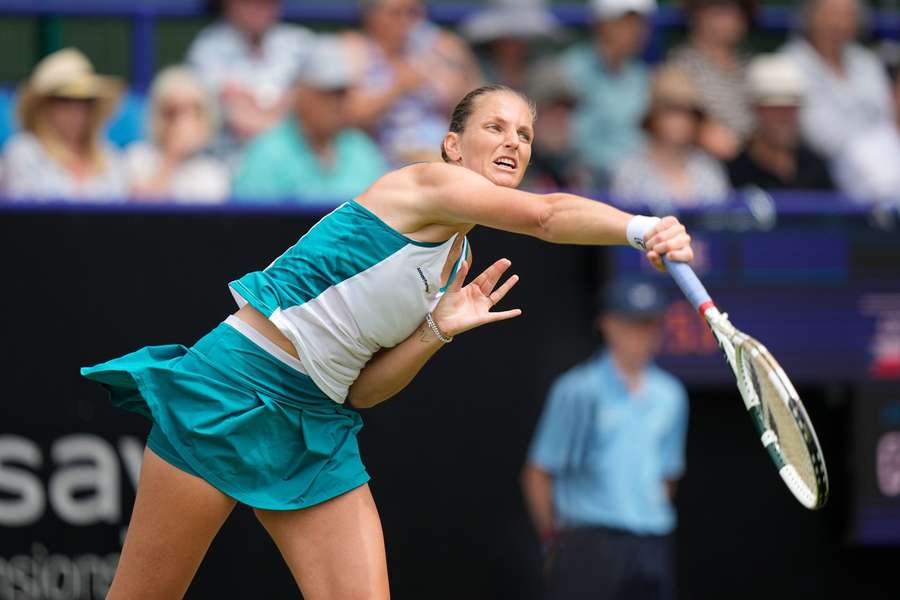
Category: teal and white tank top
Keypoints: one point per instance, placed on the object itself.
(349, 287)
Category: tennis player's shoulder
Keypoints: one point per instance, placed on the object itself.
(438, 173)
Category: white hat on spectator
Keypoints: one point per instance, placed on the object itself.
(530, 19)
(328, 66)
(775, 80)
(603, 10)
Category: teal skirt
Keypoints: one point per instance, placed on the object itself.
(231, 413)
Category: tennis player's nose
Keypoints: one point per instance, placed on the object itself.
(512, 141)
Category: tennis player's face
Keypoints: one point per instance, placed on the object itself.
(497, 139)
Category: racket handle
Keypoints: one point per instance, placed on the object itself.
(688, 281)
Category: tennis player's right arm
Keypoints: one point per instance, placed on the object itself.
(453, 195)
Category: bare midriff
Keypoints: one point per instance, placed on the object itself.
(260, 323)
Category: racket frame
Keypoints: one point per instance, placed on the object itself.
(734, 343)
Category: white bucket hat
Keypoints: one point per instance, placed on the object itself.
(529, 19)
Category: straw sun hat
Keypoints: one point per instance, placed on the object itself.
(67, 74)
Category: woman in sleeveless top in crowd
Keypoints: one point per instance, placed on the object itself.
(254, 411)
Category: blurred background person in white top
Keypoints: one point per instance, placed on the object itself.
(60, 154)
(172, 165)
(671, 171)
(848, 90)
(250, 61)
(848, 115)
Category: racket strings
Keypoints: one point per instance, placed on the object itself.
(780, 411)
(801, 420)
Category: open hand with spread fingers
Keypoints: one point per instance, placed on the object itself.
(466, 307)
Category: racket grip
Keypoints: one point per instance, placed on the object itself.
(688, 281)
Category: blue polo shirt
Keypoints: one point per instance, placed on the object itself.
(610, 451)
(607, 121)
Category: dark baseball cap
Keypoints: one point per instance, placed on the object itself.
(633, 299)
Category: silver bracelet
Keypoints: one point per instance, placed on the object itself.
(437, 330)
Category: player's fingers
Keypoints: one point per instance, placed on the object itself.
(672, 231)
(681, 255)
(664, 223)
(501, 291)
(656, 260)
(489, 278)
(461, 273)
(503, 315)
(678, 242)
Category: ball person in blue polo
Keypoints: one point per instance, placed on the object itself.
(605, 458)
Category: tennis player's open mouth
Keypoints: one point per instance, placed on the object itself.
(506, 163)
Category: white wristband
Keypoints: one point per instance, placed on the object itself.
(637, 228)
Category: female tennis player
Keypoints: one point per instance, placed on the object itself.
(254, 411)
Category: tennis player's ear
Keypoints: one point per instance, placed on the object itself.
(451, 147)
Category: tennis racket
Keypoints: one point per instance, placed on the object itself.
(775, 408)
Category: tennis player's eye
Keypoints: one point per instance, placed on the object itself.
(493, 127)
(525, 136)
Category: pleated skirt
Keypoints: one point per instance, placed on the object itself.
(228, 411)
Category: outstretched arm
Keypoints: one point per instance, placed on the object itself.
(460, 309)
(454, 195)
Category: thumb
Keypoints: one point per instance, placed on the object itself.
(460, 278)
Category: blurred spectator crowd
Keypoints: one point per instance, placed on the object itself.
(265, 111)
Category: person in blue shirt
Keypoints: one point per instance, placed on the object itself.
(605, 458)
(313, 157)
(611, 83)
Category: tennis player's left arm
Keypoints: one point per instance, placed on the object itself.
(392, 369)
(460, 309)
